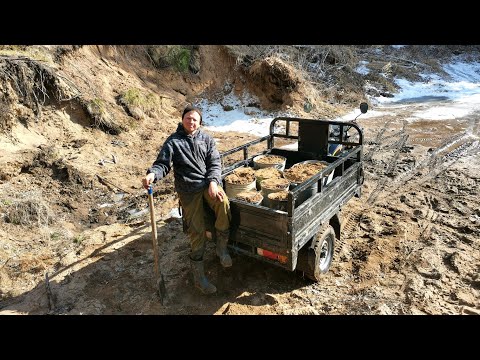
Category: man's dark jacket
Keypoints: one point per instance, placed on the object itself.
(196, 161)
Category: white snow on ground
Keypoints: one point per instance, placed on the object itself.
(468, 72)
(457, 95)
(255, 126)
(174, 213)
(362, 68)
(459, 108)
(242, 118)
(293, 146)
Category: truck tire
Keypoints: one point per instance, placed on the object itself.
(315, 258)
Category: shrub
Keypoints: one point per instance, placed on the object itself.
(138, 103)
(176, 56)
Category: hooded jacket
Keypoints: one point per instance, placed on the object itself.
(195, 158)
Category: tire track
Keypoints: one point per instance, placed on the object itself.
(426, 139)
(435, 163)
(377, 142)
(427, 222)
(439, 164)
(382, 182)
(348, 228)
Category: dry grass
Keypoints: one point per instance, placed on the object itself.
(27, 208)
(323, 76)
(281, 73)
(37, 52)
(314, 60)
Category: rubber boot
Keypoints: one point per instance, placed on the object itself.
(221, 250)
(200, 280)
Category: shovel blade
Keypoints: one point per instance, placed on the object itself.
(162, 290)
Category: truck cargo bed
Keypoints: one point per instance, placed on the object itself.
(257, 230)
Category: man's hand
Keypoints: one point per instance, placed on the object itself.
(147, 180)
(215, 192)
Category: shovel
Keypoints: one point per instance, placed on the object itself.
(160, 282)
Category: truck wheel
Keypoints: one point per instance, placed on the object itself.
(315, 258)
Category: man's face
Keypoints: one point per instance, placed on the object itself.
(191, 122)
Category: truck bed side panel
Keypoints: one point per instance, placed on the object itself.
(259, 226)
(322, 206)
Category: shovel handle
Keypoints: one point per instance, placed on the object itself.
(154, 228)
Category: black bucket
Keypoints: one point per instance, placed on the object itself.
(305, 194)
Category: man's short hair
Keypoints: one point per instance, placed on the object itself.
(193, 108)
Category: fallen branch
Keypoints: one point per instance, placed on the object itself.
(107, 182)
(103, 161)
(405, 60)
(5, 263)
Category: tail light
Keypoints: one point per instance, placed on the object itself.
(271, 255)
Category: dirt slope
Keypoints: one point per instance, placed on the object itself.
(70, 191)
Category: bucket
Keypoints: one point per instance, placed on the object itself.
(267, 173)
(265, 161)
(251, 197)
(325, 180)
(240, 180)
(302, 174)
(278, 200)
(232, 190)
(273, 185)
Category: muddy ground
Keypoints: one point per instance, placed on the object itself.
(410, 245)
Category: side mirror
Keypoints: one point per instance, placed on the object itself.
(363, 107)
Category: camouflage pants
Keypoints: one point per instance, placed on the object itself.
(194, 216)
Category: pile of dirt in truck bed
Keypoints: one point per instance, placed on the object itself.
(303, 171)
(242, 175)
(252, 197)
(275, 184)
(270, 159)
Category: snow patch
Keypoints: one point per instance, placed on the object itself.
(362, 68)
(242, 118)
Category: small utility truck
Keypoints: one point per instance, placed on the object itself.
(302, 237)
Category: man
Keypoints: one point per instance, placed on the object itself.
(197, 171)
